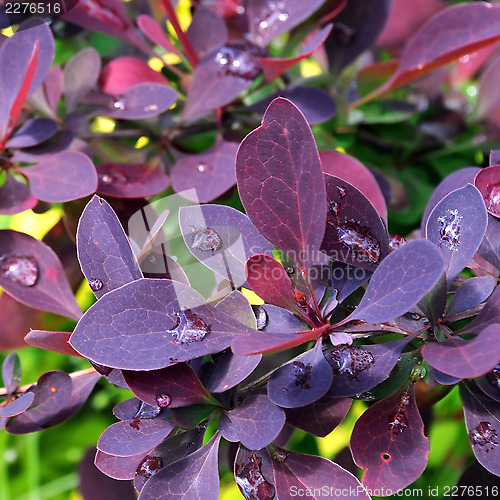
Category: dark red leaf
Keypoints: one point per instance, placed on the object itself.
(389, 443)
(31, 273)
(457, 226)
(210, 173)
(17, 406)
(51, 341)
(280, 182)
(255, 423)
(471, 293)
(11, 372)
(15, 197)
(206, 31)
(155, 33)
(32, 133)
(120, 468)
(488, 182)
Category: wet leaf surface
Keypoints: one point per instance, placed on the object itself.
(253, 474)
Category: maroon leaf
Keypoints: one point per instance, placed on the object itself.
(466, 358)
(298, 472)
(399, 282)
(321, 417)
(11, 372)
(206, 31)
(482, 420)
(32, 133)
(15, 197)
(389, 443)
(488, 182)
(31, 273)
(471, 293)
(210, 173)
(355, 233)
(351, 170)
(51, 341)
(62, 177)
(155, 33)
(269, 19)
(457, 226)
(131, 437)
(152, 323)
(17, 406)
(253, 474)
(280, 182)
(195, 476)
(255, 423)
(121, 468)
(174, 386)
(302, 381)
(274, 67)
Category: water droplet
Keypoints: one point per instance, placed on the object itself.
(492, 198)
(239, 59)
(484, 436)
(398, 422)
(207, 240)
(21, 270)
(283, 17)
(342, 191)
(146, 411)
(120, 104)
(365, 396)
(163, 400)
(260, 316)
(290, 270)
(135, 424)
(350, 360)
(280, 455)
(396, 241)
(189, 328)
(358, 240)
(202, 167)
(450, 229)
(263, 25)
(251, 482)
(106, 179)
(493, 377)
(386, 456)
(414, 316)
(333, 206)
(302, 374)
(96, 284)
(149, 466)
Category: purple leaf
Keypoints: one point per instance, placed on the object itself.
(488, 182)
(121, 468)
(59, 143)
(321, 417)
(32, 133)
(470, 294)
(269, 19)
(206, 31)
(280, 182)
(298, 472)
(490, 246)
(80, 76)
(274, 67)
(355, 29)
(466, 358)
(443, 378)
(131, 437)
(488, 315)
(150, 324)
(51, 341)
(457, 226)
(255, 423)
(237, 305)
(141, 101)
(104, 252)
(17, 406)
(174, 386)
(302, 381)
(222, 75)
(193, 477)
(482, 420)
(31, 273)
(11, 372)
(389, 443)
(15, 197)
(490, 383)
(434, 303)
(277, 319)
(62, 177)
(346, 278)
(253, 474)
(222, 238)
(269, 280)
(357, 369)
(134, 408)
(210, 173)
(155, 33)
(129, 180)
(400, 281)
(355, 233)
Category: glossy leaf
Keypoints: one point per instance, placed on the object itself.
(131, 437)
(389, 443)
(400, 281)
(470, 294)
(15, 197)
(32, 133)
(302, 381)
(210, 173)
(51, 341)
(280, 182)
(193, 477)
(255, 423)
(17, 406)
(104, 252)
(50, 290)
(143, 326)
(11, 372)
(457, 226)
(466, 358)
(482, 420)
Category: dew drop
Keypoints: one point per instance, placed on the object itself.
(283, 17)
(135, 424)
(96, 284)
(263, 25)
(302, 374)
(146, 411)
(365, 396)
(163, 400)
(260, 316)
(449, 230)
(398, 422)
(202, 167)
(396, 241)
(120, 104)
(492, 198)
(333, 206)
(106, 179)
(342, 191)
(149, 466)
(18, 269)
(206, 240)
(290, 270)
(251, 482)
(493, 377)
(239, 59)
(350, 360)
(484, 436)
(280, 455)
(358, 240)
(189, 328)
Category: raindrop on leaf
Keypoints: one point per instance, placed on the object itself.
(492, 198)
(162, 400)
(450, 229)
(189, 328)
(21, 270)
(207, 240)
(350, 360)
(251, 482)
(96, 284)
(484, 436)
(149, 466)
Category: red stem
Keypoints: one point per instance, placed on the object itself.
(188, 48)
